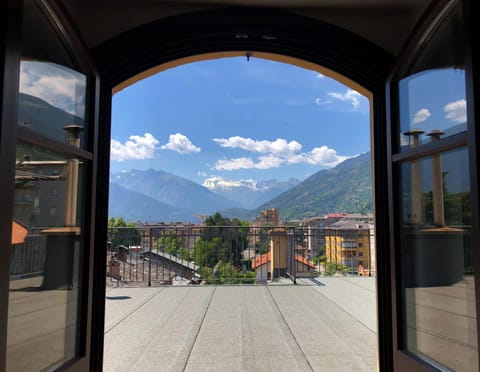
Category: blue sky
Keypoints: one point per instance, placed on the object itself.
(433, 99)
(227, 120)
(231, 119)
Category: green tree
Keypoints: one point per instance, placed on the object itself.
(171, 244)
(226, 273)
(124, 233)
(333, 268)
(222, 239)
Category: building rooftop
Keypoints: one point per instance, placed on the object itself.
(349, 224)
(170, 257)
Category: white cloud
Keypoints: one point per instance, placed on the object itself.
(201, 174)
(265, 162)
(351, 96)
(234, 164)
(325, 156)
(320, 76)
(269, 161)
(279, 146)
(321, 156)
(55, 84)
(320, 101)
(422, 115)
(456, 111)
(216, 182)
(181, 144)
(137, 148)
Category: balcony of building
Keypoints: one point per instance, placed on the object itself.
(320, 324)
(216, 298)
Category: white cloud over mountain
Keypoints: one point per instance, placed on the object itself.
(181, 144)
(215, 182)
(279, 146)
(234, 164)
(57, 85)
(274, 154)
(136, 148)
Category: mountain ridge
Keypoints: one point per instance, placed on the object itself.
(170, 189)
(344, 188)
(249, 193)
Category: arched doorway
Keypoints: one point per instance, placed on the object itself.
(268, 34)
(258, 30)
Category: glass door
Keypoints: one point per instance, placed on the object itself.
(47, 305)
(434, 282)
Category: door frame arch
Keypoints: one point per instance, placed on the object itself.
(149, 48)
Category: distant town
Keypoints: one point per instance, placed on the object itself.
(221, 250)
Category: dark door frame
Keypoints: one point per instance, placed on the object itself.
(230, 29)
(10, 21)
(433, 16)
(255, 30)
(10, 56)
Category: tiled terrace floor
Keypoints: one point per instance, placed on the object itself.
(328, 325)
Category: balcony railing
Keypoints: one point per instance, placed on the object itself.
(156, 255)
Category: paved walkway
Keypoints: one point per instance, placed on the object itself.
(329, 325)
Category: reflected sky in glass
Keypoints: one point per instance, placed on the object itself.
(59, 86)
(432, 100)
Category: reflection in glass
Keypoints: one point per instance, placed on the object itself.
(52, 91)
(45, 255)
(51, 97)
(437, 271)
(432, 95)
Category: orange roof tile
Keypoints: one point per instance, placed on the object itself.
(19, 232)
(260, 260)
(304, 261)
(265, 258)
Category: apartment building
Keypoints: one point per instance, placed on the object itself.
(348, 242)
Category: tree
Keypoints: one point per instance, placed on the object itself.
(226, 273)
(223, 240)
(169, 244)
(333, 268)
(122, 233)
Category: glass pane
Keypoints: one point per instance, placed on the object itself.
(437, 268)
(432, 96)
(52, 93)
(45, 259)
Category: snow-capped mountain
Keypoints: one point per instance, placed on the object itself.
(248, 193)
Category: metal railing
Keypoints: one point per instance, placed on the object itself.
(155, 255)
(28, 258)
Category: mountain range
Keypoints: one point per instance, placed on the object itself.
(135, 206)
(154, 195)
(248, 194)
(344, 188)
(37, 114)
(173, 190)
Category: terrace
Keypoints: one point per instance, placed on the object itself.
(232, 298)
(324, 324)
(224, 298)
